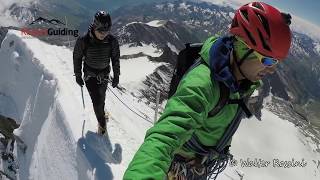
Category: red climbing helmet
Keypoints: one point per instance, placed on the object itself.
(263, 28)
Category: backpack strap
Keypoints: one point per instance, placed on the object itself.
(231, 129)
(242, 105)
(223, 100)
(86, 41)
(195, 144)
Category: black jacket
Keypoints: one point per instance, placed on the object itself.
(96, 54)
(7, 126)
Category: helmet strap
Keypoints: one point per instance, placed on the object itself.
(244, 57)
(240, 62)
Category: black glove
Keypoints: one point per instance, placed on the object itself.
(79, 80)
(115, 81)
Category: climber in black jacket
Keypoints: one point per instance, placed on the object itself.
(94, 50)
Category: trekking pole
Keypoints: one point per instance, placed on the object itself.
(84, 122)
(84, 107)
(157, 106)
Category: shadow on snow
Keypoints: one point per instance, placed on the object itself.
(99, 152)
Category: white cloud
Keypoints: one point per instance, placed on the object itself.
(232, 3)
(304, 26)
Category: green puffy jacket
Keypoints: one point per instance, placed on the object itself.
(186, 113)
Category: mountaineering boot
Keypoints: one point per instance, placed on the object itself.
(103, 129)
(106, 117)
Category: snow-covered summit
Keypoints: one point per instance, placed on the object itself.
(156, 23)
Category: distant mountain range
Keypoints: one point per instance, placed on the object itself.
(297, 79)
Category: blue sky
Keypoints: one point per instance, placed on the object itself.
(306, 9)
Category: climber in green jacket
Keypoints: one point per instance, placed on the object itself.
(185, 142)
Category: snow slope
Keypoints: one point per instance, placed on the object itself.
(36, 81)
(147, 49)
(278, 142)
